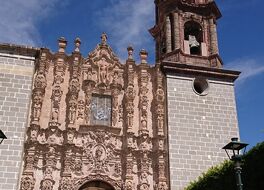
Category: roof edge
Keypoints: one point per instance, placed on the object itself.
(173, 67)
(22, 50)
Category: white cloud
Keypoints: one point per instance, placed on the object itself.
(127, 22)
(249, 67)
(19, 18)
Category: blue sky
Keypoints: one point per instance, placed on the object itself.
(240, 33)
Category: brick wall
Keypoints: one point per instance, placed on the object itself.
(16, 73)
(198, 127)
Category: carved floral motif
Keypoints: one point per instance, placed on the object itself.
(27, 182)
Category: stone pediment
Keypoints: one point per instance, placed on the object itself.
(103, 66)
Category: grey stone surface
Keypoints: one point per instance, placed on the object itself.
(198, 127)
(15, 91)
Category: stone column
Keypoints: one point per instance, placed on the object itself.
(143, 93)
(59, 72)
(168, 34)
(213, 36)
(176, 31)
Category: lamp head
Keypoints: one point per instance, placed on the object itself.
(235, 146)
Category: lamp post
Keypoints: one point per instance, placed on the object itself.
(235, 146)
(2, 136)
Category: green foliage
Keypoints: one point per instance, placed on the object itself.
(222, 177)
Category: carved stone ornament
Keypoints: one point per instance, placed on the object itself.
(162, 186)
(129, 185)
(72, 110)
(40, 81)
(74, 86)
(144, 186)
(47, 184)
(102, 152)
(27, 182)
(66, 183)
(105, 64)
(37, 98)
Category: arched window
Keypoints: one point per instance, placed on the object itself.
(97, 185)
(193, 33)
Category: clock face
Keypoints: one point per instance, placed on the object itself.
(101, 109)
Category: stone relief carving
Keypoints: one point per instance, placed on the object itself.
(47, 184)
(72, 110)
(37, 104)
(102, 149)
(118, 153)
(27, 182)
(81, 108)
(66, 183)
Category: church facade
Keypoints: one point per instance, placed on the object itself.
(95, 123)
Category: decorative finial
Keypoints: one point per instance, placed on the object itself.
(104, 38)
(130, 52)
(143, 56)
(77, 44)
(62, 44)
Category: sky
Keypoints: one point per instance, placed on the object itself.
(39, 23)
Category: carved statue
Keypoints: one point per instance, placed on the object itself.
(103, 70)
(37, 104)
(40, 81)
(58, 79)
(55, 114)
(81, 109)
(56, 94)
(129, 185)
(160, 95)
(160, 117)
(144, 125)
(48, 173)
(74, 85)
(162, 186)
(72, 111)
(33, 134)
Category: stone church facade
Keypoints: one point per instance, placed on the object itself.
(95, 123)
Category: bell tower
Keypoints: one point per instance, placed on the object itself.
(201, 108)
(185, 31)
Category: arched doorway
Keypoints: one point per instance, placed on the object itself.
(97, 185)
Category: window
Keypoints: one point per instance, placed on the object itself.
(101, 109)
(200, 86)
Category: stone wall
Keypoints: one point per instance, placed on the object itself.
(198, 127)
(16, 72)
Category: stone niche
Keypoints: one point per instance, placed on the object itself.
(95, 121)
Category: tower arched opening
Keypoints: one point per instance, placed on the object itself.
(193, 33)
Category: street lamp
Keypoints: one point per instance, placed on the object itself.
(2, 136)
(235, 146)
